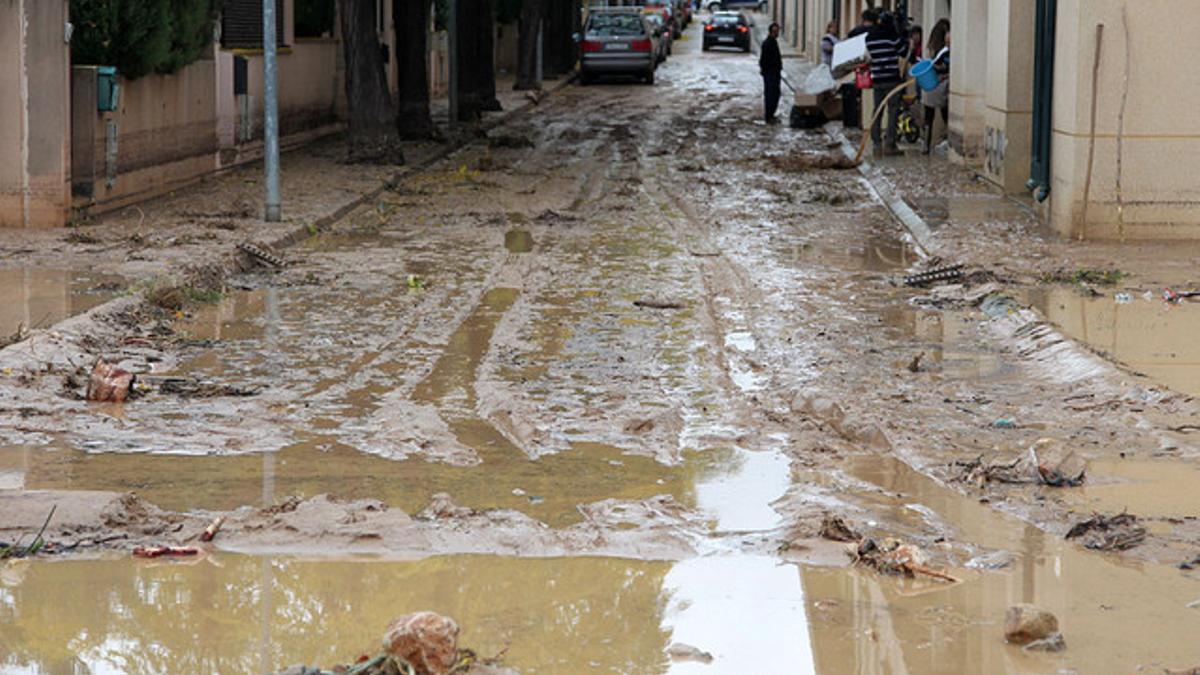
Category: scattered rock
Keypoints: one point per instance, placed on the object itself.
(426, 640)
(108, 383)
(1025, 624)
(1109, 533)
(679, 651)
(835, 529)
(914, 366)
(1053, 642)
(1056, 465)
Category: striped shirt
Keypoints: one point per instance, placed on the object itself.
(886, 49)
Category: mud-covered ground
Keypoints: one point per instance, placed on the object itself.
(592, 385)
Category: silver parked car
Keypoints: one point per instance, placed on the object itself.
(617, 41)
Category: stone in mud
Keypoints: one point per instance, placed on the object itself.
(680, 651)
(1053, 642)
(427, 640)
(1025, 623)
(835, 529)
(108, 383)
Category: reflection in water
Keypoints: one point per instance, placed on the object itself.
(38, 298)
(1115, 616)
(1150, 336)
(237, 614)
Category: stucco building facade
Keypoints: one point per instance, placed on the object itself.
(1143, 144)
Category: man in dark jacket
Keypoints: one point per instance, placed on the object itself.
(887, 47)
(770, 64)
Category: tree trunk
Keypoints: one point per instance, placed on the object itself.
(527, 45)
(412, 63)
(467, 31)
(486, 62)
(557, 24)
(372, 136)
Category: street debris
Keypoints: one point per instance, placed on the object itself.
(890, 556)
(15, 550)
(191, 388)
(1025, 623)
(1004, 423)
(108, 383)
(20, 334)
(803, 161)
(652, 303)
(427, 641)
(1095, 277)
(1108, 533)
(213, 528)
(509, 140)
(835, 529)
(1192, 564)
(682, 652)
(1046, 461)
(160, 551)
(914, 366)
(415, 282)
(936, 274)
(1053, 642)
(262, 254)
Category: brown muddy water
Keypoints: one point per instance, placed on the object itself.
(37, 297)
(1136, 328)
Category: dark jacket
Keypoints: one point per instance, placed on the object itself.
(769, 60)
(887, 48)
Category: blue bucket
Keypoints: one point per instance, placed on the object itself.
(926, 78)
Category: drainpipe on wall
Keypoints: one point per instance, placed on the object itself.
(1043, 99)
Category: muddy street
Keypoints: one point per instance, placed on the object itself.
(598, 385)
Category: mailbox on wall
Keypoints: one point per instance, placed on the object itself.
(108, 91)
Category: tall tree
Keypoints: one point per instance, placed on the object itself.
(528, 30)
(372, 134)
(412, 18)
(486, 62)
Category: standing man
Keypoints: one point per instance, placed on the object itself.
(886, 46)
(770, 64)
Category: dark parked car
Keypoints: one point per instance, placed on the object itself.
(617, 41)
(715, 6)
(727, 29)
(662, 32)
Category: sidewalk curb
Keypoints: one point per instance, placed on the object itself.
(890, 197)
(235, 262)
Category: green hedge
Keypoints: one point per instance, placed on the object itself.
(141, 36)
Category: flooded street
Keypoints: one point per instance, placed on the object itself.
(595, 386)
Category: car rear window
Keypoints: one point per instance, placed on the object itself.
(616, 24)
(727, 20)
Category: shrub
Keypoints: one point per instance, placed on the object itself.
(140, 37)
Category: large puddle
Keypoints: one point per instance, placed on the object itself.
(1149, 335)
(38, 298)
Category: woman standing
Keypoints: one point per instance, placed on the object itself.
(828, 42)
(939, 98)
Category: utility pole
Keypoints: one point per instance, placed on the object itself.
(271, 213)
(452, 46)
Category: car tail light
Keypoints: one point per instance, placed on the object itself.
(640, 45)
(592, 46)
(709, 27)
(742, 29)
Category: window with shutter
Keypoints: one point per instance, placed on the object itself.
(241, 24)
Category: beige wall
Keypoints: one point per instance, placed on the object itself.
(1008, 94)
(165, 134)
(34, 113)
(968, 76)
(1160, 153)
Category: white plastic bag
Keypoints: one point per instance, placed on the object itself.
(819, 80)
